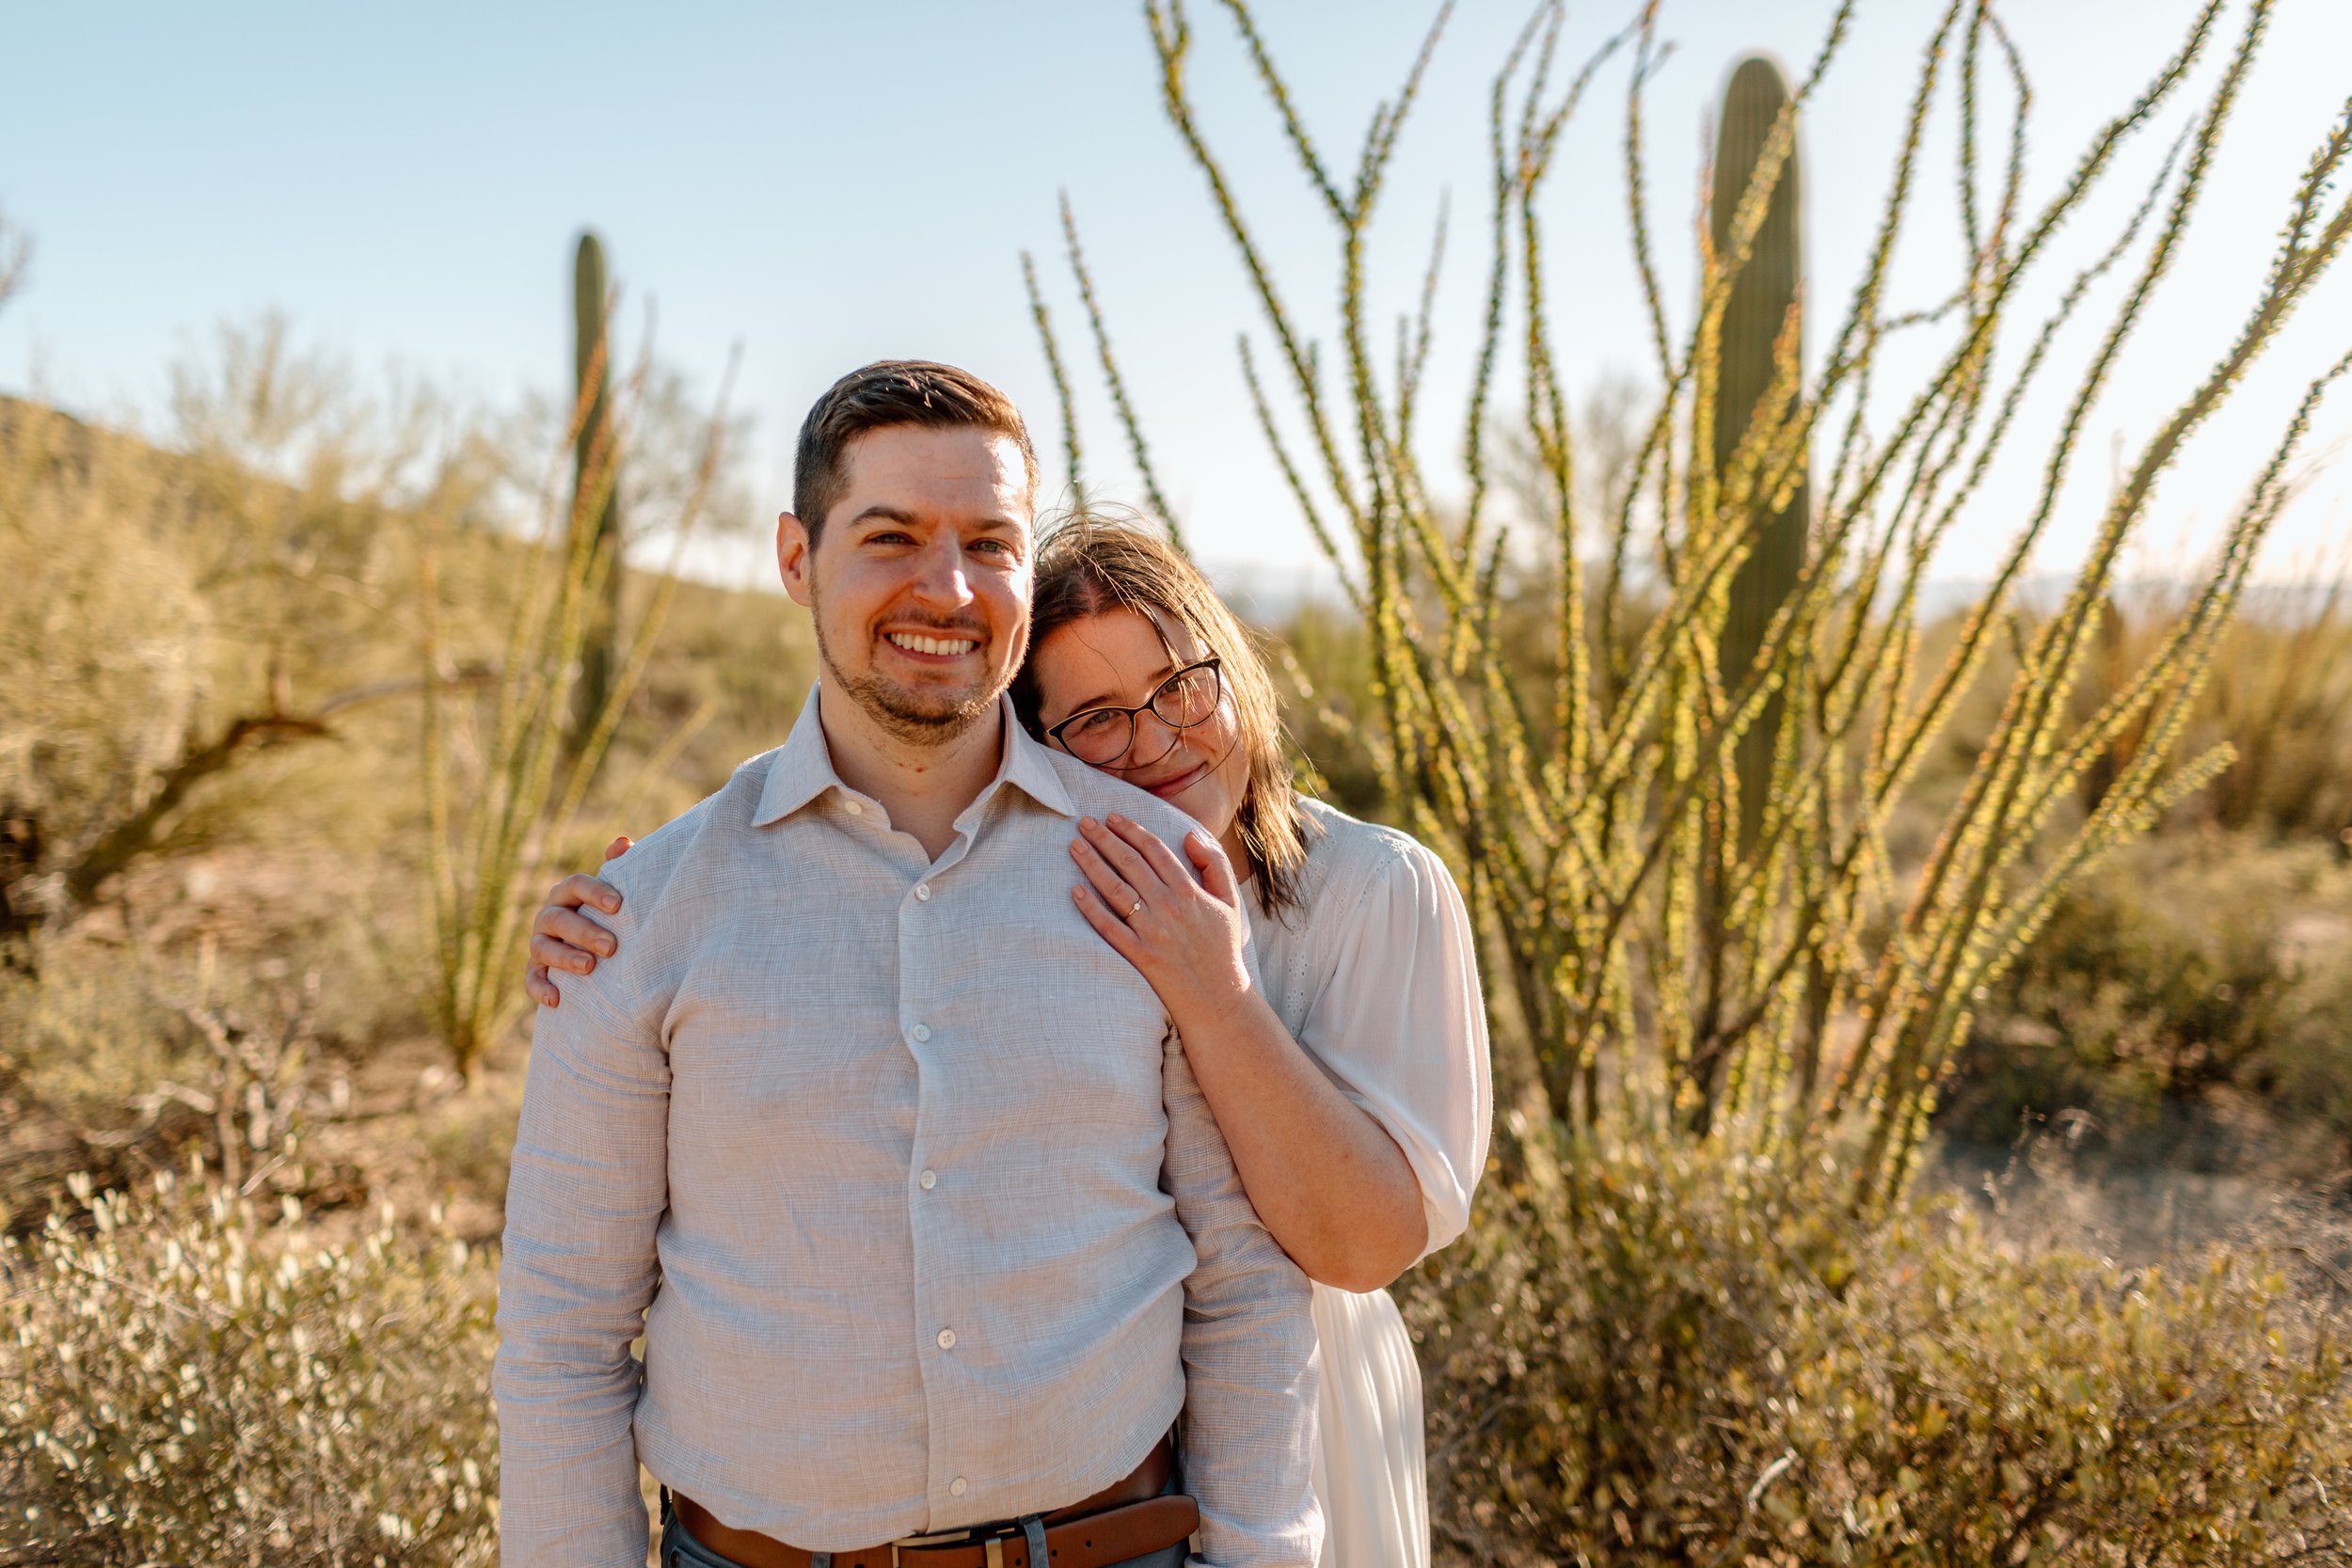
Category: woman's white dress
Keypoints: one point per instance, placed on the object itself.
(1376, 977)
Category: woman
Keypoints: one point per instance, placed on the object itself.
(1361, 1151)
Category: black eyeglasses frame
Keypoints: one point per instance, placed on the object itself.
(1214, 664)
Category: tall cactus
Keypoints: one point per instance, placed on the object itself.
(1766, 290)
(595, 488)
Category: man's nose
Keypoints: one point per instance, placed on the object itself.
(942, 578)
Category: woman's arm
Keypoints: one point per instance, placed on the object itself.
(1327, 1180)
(562, 938)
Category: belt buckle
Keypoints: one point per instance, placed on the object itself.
(934, 1541)
(990, 1541)
(992, 1544)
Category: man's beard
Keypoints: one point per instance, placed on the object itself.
(922, 718)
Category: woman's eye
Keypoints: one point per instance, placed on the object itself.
(1101, 722)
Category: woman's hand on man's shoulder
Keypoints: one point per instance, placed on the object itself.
(565, 938)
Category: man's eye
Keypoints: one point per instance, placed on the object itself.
(996, 546)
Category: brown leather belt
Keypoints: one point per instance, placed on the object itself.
(1126, 1519)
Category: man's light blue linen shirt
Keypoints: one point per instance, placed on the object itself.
(904, 1170)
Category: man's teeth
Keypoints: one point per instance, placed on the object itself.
(953, 645)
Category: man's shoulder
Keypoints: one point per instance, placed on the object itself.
(1096, 793)
(702, 830)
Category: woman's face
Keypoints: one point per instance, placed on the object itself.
(1118, 659)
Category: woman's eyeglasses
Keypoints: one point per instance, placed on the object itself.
(1102, 735)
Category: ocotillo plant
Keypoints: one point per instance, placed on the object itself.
(1137, 447)
(1766, 303)
(596, 487)
(503, 778)
(1591, 835)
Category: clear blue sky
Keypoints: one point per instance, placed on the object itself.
(835, 183)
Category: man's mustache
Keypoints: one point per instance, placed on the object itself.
(961, 627)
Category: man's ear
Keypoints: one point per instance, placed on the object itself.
(793, 549)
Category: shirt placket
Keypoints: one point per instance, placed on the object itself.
(933, 1187)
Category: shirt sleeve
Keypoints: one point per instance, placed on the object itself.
(1401, 1024)
(584, 1202)
(1250, 1355)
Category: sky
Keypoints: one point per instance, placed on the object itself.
(828, 184)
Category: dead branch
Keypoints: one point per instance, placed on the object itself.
(139, 833)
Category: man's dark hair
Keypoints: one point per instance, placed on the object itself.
(891, 392)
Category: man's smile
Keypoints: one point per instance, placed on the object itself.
(930, 647)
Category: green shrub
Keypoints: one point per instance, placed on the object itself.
(2280, 696)
(185, 1381)
(1697, 1365)
(121, 1057)
(469, 1140)
(2306, 1072)
(2188, 963)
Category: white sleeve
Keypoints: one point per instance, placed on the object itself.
(1248, 1345)
(1399, 1023)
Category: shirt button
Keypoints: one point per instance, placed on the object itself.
(922, 1032)
(854, 808)
(922, 893)
(947, 1338)
(957, 1487)
(928, 1180)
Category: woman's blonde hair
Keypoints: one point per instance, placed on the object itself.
(1091, 562)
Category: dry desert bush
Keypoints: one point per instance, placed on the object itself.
(187, 1378)
(1675, 1356)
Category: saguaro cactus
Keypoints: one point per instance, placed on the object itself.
(1762, 296)
(595, 489)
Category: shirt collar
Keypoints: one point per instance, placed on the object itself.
(803, 769)
(1029, 763)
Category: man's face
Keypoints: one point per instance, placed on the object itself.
(920, 581)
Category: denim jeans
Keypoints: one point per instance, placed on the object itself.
(681, 1550)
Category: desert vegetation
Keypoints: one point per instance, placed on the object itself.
(1924, 1056)
(1764, 850)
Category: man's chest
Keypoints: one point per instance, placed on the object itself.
(872, 1000)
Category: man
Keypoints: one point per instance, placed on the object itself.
(898, 1164)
